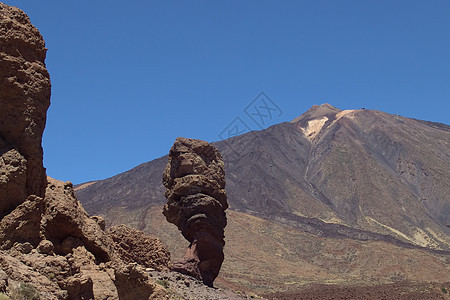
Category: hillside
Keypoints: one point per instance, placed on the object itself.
(341, 178)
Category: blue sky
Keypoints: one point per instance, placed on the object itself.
(129, 77)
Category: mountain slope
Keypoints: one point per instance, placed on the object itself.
(384, 173)
(356, 176)
(363, 169)
(263, 256)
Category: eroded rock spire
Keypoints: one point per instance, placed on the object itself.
(196, 202)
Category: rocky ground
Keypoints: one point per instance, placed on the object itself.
(405, 290)
(179, 286)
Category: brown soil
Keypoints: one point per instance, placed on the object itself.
(401, 290)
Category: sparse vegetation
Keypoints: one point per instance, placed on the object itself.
(24, 291)
(164, 283)
(3, 296)
(444, 290)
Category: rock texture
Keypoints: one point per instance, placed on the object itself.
(24, 98)
(67, 224)
(133, 245)
(196, 202)
(53, 244)
(57, 218)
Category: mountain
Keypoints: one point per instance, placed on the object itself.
(338, 177)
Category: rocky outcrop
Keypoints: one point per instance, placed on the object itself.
(67, 224)
(58, 218)
(24, 100)
(133, 245)
(133, 283)
(53, 244)
(196, 202)
(49, 245)
(75, 276)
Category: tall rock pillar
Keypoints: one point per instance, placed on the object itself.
(24, 100)
(196, 202)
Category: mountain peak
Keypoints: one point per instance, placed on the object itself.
(328, 106)
(317, 112)
(318, 116)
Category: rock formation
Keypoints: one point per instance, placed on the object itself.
(24, 98)
(196, 202)
(133, 245)
(49, 246)
(70, 254)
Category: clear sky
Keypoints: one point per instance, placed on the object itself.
(130, 76)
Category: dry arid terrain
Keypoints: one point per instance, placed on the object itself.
(334, 197)
(399, 291)
(335, 204)
(262, 256)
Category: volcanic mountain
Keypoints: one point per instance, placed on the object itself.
(362, 181)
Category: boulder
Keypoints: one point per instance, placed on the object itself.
(133, 245)
(68, 225)
(23, 224)
(133, 282)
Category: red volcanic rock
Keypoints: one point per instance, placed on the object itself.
(196, 202)
(24, 100)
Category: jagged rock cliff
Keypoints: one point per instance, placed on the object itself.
(49, 245)
(24, 98)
